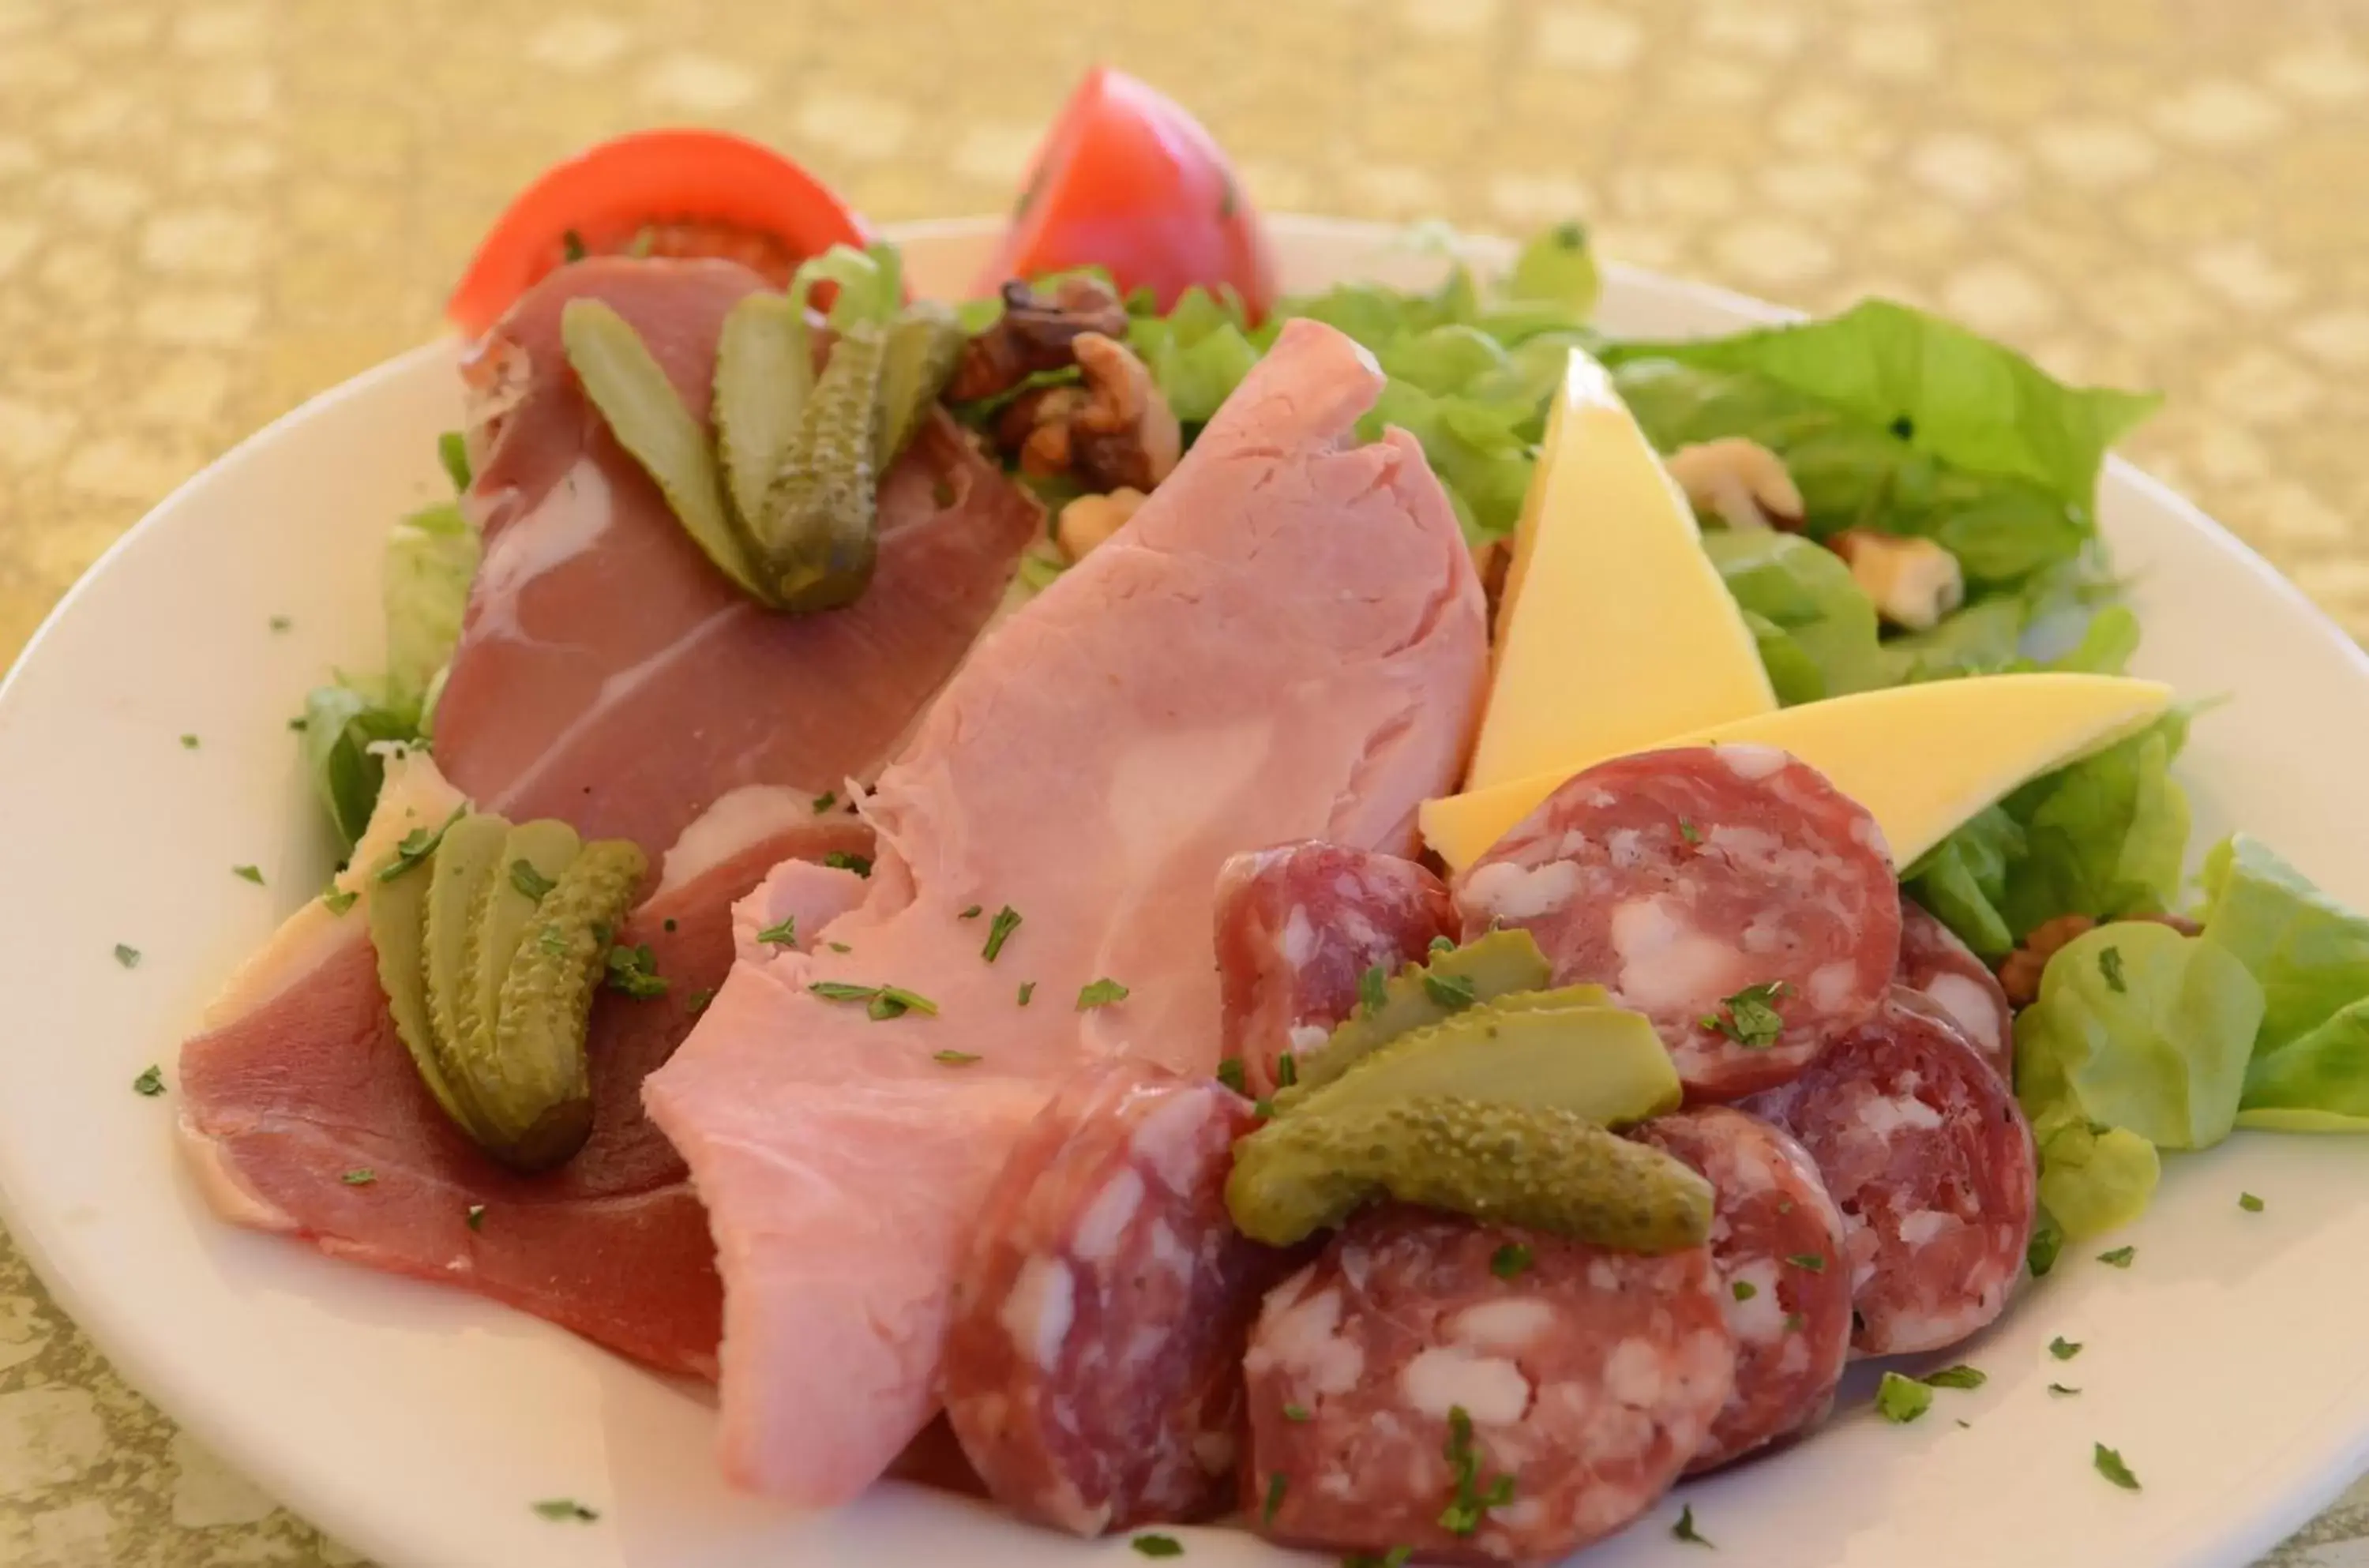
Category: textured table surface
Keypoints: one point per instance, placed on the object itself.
(211, 211)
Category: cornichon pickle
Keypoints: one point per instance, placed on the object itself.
(819, 533)
(1539, 1168)
(456, 878)
(531, 1089)
(1602, 1064)
(923, 347)
(546, 848)
(398, 911)
(1420, 995)
(764, 369)
(647, 416)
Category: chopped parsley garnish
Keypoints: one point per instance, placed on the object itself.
(1275, 1486)
(633, 970)
(553, 941)
(2063, 1349)
(2109, 1465)
(189, 743)
(151, 1082)
(281, 622)
(1510, 1261)
(1451, 992)
(838, 947)
(1958, 1377)
(452, 451)
(252, 873)
(359, 1178)
(530, 883)
(127, 954)
(2118, 1258)
(1229, 1072)
(1809, 1263)
(956, 1058)
(2110, 964)
(1101, 993)
(297, 724)
(1396, 1557)
(840, 991)
(2061, 1389)
(1903, 427)
(1685, 1528)
(696, 1002)
(894, 1001)
(971, 914)
(475, 1218)
(1296, 1412)
(1743, 1290)
(339, 900)
(668, 925)
(1443, 945)
(1470, 1499)
(417, 846)
(783, 932)
(1370, 991)
(1263, 1108)
(1287, 1070)
(1028, 989)
(825, 801)
(2039, 1253)
(1795, 1323)
(998, 932)
(568, 1507)
(1688, 831)
(1902, 1399)
(839, 859)
(2246, 1201)
(1751, 1019)
(1158, 1545)
(571, 248)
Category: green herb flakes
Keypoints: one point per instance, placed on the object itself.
(2118, 1258)
(1101, 993)
(783, 932)
(126, 956)
(2110, 965)
(1028, 989)
(359, 1178)
(2109, 1465)
(571, 248)
(566, 1508)
(1685, 1528)
(151, 1082)
(281, 622)
(1469, 1500)
(1743, 1290)
(475, 1218)
(2246, 1201)
(530, 883)
(1688, 831)
(1902, 1400)
(1297, 1412)
(840, 991)
(189, 743)
(2039, 1253)
(1275, 1486)
(417, 846)
(2061, 1390)
(971, 913)
(1443, 945)
(838, 947)
(1396, 1557)
(894, 1001)
(998, 932)
(696, 1002)
(1510, 1261)
(1158, 1546)
(954, 1059)
(1795, 1323)
(840, 860)
(1287, 1070)
(1808, 1263)
(249, 873)
(825, 801)
(1371, 993)
(633, 970)
(1751, 1019)
(1958, 1377)
(339, 900)
(1229, 1072)
(2063, 1349)
(1451, 992)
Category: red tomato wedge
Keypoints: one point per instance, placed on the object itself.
(1129, 181)
(659, 193)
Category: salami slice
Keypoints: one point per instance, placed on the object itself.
(1298, 926)
(1729, 893)
(1930, 1161)
(1476, 1393)
(1945, 972)
(1776, 1240)
(1093, 1370)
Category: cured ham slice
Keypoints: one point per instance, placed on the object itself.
(287, 1102)
(1285, 642)
(607, 672)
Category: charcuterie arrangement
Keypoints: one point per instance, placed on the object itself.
(1368, 914)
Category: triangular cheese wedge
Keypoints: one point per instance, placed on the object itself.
(1616, 629)
(1923, 759)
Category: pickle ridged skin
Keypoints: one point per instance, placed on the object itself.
(1603, 1064)
(457, 876)
(1542, 1169)
(536, 1096)
(499, 921)
(820, 532)
(764, 371)
(646, 415)
(923, 347)
(399, 913)
(1498, 963)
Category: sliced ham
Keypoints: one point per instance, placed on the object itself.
(287, 1096)
(1285, 643)
(608, 674)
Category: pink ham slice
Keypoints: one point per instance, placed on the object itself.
(1285, 643)
(280, 1103)
(608, 674)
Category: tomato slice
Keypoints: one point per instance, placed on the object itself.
(1128, 180)
(656, 192)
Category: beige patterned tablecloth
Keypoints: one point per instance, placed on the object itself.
(211, 208)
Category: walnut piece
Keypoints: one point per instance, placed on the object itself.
(1740, 481)
(1090, 520)
(1036, 333)
(1912, 582)
(2020, 971)
(1114, 430)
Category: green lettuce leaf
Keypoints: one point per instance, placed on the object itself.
(1197, 353)
(2318, 1081)
(431, 556)
(1962, 880)
(2094, 1178)
(2139, 1026)
(341, 725)
(1558, 267)
(1815, 627)
(1981, 639)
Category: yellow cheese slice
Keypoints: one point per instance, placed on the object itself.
(1615, 630)
(1922, 758)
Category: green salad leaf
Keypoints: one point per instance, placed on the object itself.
(341, 725)
(2095, 1178)
(1962, 880)
(1815, 627)
(431, 556)
(1197, 353)
(1558, 267)
(2310, 1070)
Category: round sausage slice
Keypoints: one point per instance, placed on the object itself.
(1776, 1240)
(1477, 1393)
(1930, 1161)
(1093, 1369)
(1729, 893)
(1944, 970)
(1297, 926)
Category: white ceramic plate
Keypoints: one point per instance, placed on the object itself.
(418, 1423)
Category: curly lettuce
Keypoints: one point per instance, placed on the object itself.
(2310, 1067)
(1814, 625)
